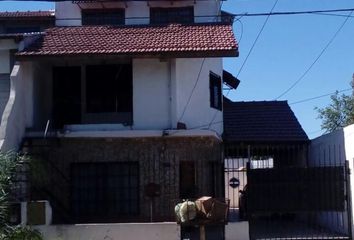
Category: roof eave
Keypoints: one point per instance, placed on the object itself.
(175, 54)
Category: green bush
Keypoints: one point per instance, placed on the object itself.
(8, 164)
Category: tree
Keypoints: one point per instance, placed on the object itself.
(339, 113)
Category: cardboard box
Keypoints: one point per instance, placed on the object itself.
(204, 205)
(219, 211)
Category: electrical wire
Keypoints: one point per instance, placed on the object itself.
(317, 58)
(249, 53)
(321, 96)
(198, 77)
(256, 40)
(328, 12)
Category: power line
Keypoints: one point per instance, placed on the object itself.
(194, 87)
(333, 15)
(321, 96)
(240, 15)
(249, 53)
(256, 40)
(198, 77)
(293, 12)
(317, 58)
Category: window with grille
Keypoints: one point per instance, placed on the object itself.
(172, 15)
(104, 192)
(103, 17)
(215, 91)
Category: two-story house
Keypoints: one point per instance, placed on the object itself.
(120, 104)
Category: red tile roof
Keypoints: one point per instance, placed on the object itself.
(27, 14)
(196, 39)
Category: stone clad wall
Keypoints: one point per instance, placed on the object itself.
(158, 159)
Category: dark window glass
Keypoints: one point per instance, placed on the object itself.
(104, 192)
(103, 17)
(109, 88)
(215, 91)
(22, 29)
(171, 15)
(66, 96)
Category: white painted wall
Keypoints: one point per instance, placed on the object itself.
(121, 231)
(5, 46)
(151, 101)
(197, 113)
(338, 145)
(18, 112)
(69, 14)
(161, 90)
(167, 92)
(4, 61)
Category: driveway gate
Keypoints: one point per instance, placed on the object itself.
(301, 200)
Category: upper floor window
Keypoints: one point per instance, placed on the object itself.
(215, 91)
(103, 17)
(171, 15)
(22, 29)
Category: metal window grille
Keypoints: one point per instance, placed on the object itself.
(104, 191)
(172, 15)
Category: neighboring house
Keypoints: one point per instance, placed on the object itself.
(290, 187)
(121, 106)
(265, 134)
(13, 27)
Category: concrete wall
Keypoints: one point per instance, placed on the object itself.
(197, 113)
(127, 231)
(4, 91)
(69, 14)
(151, 94)
(5, 46)
(334, 149)
(18, 111)
(4, 61)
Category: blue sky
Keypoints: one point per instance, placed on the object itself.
(286, 48)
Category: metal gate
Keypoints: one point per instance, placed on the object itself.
(297, 200)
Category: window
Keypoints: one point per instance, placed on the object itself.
(22, 29)
(215, 91)
(104, 192)
(171, 15)
(109, 88)
(103, 17)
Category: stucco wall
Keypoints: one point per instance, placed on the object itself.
(128, 231)
(69, 14)
(4, 61)
(334, 149)
(18, 113)
(197, 113)
(151, 101)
